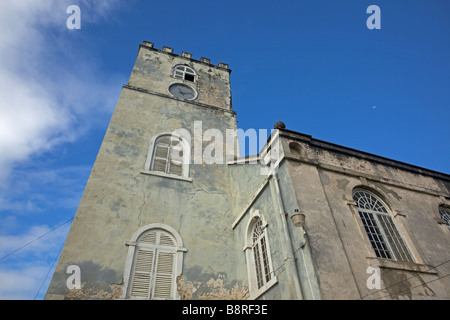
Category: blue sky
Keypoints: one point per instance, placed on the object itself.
(312, 64)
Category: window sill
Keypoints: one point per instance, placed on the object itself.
(263, 289)
(401, 265)
(166, 175)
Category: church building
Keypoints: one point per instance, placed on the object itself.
(172, 212)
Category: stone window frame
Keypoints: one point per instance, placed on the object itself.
(400, 220)
(185, 161)
(254, 290)
(181, 74)
(382, 228)
(178, 249)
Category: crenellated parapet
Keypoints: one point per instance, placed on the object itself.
(187, 55)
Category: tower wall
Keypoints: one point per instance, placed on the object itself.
(122, 195)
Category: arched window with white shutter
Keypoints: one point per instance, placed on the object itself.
(154, 261)
(169, 154)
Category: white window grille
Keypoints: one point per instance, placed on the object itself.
(383, 235)
(185, 73)
(444, 212)
(261, 258)
(257, 250)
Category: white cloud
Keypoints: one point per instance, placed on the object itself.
(21, 284)
(31, 192)
(49, 95)
(37, 241)
(29, 119)
(42, 100)
(23, 272)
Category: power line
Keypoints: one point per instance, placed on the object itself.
(54, 261)
(440, 264)
(419, 285)
(282, 265)
(37, 239)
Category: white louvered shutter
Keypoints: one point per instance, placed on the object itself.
(153, 276)
(168, 155)
(164, 275)
(165, 240)
(142, 277)
(148, 238)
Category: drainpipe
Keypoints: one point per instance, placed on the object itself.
(288, 253)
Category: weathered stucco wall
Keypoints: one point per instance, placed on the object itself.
(324, 177)
(153, 72)
(119, 198)
(212, 208)
(252, 192)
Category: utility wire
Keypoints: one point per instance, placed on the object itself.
(37, 238)
(440, 264)
(48, 272)
(419, 285)
(282, 265)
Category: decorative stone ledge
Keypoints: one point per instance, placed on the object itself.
(166, 175)
(400, 265)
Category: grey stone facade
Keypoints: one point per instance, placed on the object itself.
(211, 212)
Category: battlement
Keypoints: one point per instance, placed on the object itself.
(186, 55)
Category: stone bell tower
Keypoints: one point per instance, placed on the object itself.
(154, 218)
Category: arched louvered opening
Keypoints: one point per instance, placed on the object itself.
(155, 262)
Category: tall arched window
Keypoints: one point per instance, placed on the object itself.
(184, 72)
(260, 255)
(169, 153)
(154, 262)
(381, 230)
(259, 262)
